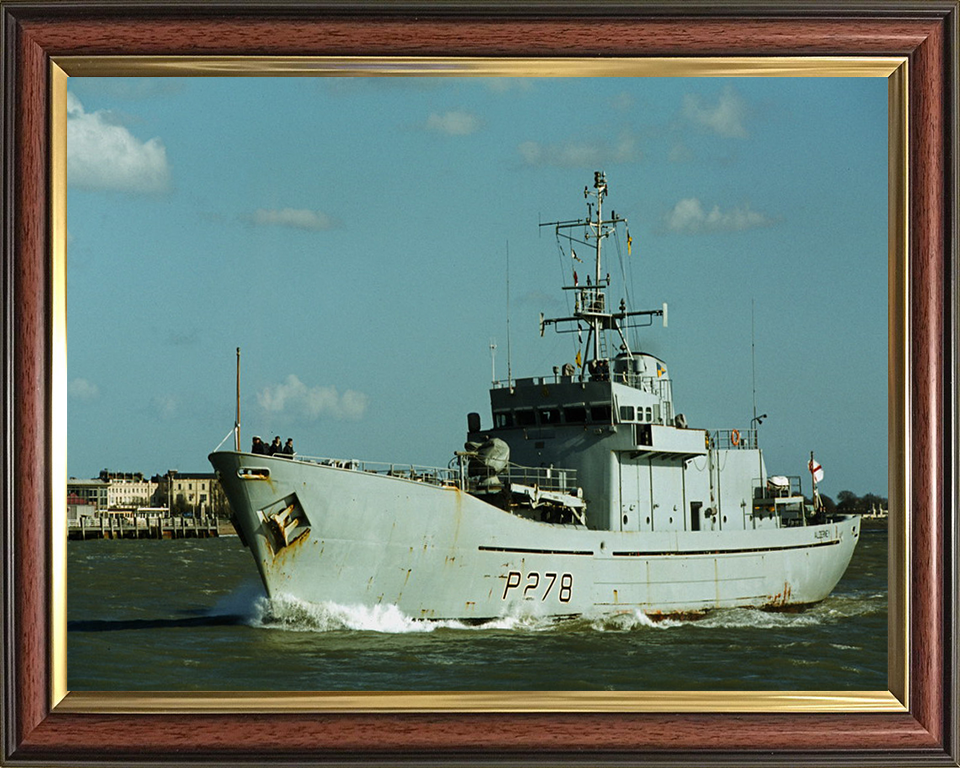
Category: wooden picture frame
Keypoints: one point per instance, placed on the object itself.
(37, 730)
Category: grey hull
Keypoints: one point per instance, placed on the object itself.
(330, 534)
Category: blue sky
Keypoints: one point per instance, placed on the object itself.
(351, 236)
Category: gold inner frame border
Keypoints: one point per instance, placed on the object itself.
(894, 69)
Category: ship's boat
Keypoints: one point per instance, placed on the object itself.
(587, 495)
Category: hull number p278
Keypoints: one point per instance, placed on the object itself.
(535, 585)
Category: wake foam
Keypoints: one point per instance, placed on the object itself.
(631, 621)
(285, 612)
(292, 614)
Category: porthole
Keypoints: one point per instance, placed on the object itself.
(625, 519)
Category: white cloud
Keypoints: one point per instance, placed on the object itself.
(293, 218)
(456, 123)
(623, 101)
(726, 118)
(507, 84)
(83, 389)
(165, 406)
(104, 155)
(293, 396)
(689, 216)
(574, 154)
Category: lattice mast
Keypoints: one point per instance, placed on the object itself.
(590, 299)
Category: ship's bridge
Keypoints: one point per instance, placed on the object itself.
(635, 389)
(551, 401)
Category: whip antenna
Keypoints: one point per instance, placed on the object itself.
(753, 353)
(509, 369)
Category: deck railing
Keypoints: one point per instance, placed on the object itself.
(774, 487)
(734, 439)
(545, 478)
(419, 473)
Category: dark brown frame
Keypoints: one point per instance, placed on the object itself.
(924, 32)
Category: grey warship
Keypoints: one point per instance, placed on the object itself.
(588, 494)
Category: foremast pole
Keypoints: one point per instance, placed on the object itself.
(236, 424)
(599, 184)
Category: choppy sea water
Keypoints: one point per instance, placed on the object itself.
(189, 614)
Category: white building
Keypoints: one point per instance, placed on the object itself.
(128, 490)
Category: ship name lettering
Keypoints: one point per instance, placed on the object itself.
(533, 584)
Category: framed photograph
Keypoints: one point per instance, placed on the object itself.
(909, 53)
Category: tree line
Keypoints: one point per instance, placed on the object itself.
(849, 503)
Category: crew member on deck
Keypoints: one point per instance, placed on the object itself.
(275, 446)
(287, 449)
(258, 446)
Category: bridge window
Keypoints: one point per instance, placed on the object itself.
(502, 419)
(627, 413)
(550, 416)
(526, 418)
(575, 414)
(601, 413)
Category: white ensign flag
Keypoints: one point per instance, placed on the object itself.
(816, 470)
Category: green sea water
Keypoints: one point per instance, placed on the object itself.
(189, 614)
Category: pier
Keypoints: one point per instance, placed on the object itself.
(147, 527)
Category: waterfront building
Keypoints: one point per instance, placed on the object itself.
(128, 490)
(78, 507)
(193, 493)
(196, 493)
(92, 492)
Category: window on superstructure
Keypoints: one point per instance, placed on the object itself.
(502, 419)
(649, 414)
(575, 414)
(549, 415)
(601, 413)
(526, 418)
(627, 413)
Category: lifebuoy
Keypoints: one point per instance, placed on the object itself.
(735, 437)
